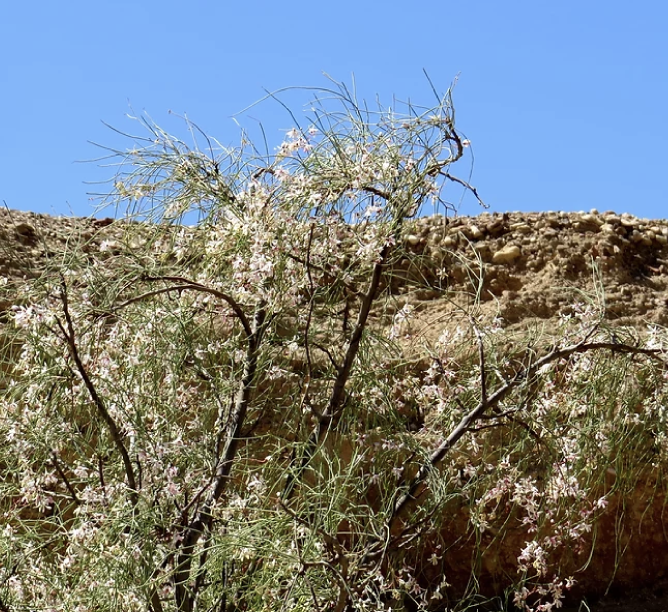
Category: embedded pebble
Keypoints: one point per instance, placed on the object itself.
(507, 254)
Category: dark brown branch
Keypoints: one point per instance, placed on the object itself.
(203, 519)
(116, 434)
(328, 353)
(202, 570)
(156, 604)
(343, 372)
(336, 398)
(474, 415)
(377, 192)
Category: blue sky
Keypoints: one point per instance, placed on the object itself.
(564, 102)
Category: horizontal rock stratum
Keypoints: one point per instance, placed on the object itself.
(531, 264)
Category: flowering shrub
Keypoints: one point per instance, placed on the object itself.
(225, 417)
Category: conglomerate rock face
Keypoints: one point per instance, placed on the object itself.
(532, 265)
(524, 267)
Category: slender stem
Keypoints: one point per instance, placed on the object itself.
(336, 398)
(343, 371)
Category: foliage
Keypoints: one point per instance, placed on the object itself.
(228, 416)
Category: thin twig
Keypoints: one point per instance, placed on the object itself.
(312, 266)
(328, 353)
(61, 473)
(337, 396)
(463, 183)
(187, 284)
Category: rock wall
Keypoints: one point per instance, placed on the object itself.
(534, 264)
(531, 264)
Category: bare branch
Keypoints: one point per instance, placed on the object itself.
(116, 434)
(328, 353)
(343, 371)
(336, 398)
(463, 183)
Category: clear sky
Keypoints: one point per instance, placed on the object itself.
(565, 103)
